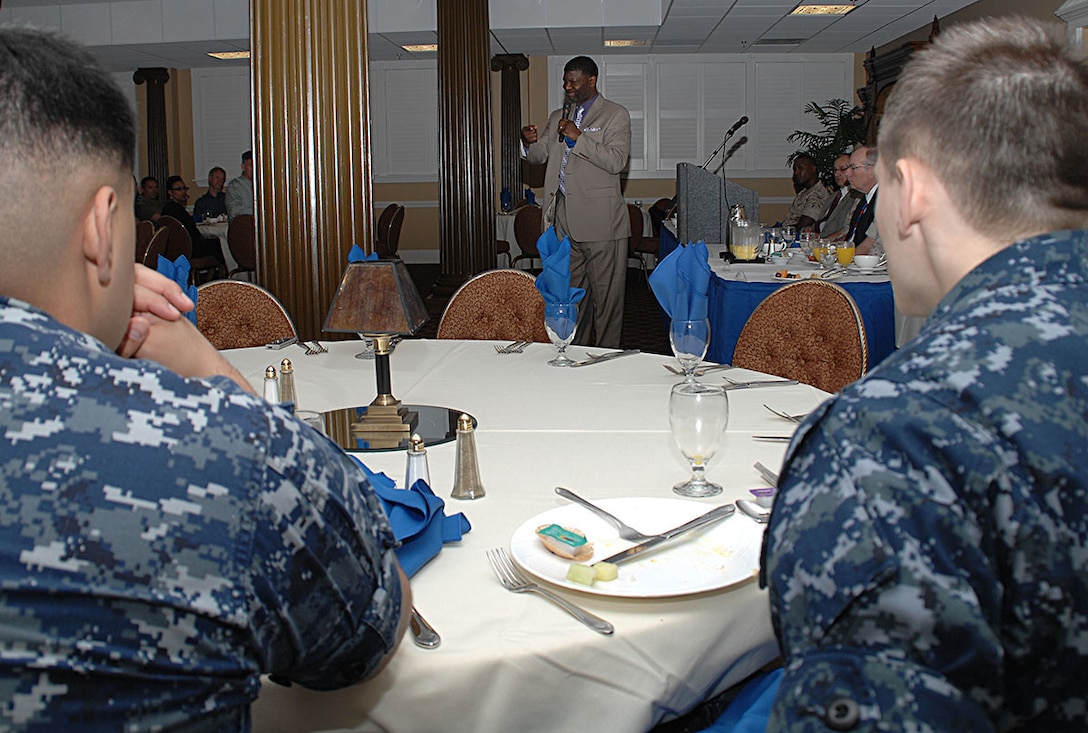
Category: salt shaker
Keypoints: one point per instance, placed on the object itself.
(466, 479)
(271, 385)
(417, 464)
(287, 383)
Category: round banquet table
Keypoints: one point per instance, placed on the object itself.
(513, 661)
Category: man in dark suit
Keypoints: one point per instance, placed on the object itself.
(862, 176)
(586, 146)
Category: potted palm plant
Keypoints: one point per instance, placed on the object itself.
(843, 127)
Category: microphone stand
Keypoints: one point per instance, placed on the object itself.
(721, 147)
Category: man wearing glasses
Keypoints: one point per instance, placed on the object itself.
(861, 174)
(836, 218)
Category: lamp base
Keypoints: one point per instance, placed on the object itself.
(385, 426)
(436, 425)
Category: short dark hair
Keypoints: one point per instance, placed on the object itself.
(584, 64)
(996, 109)
(216, 168)
(805, 156)
(248, 155)
(59, 103)
(172, 180)
(145, 179)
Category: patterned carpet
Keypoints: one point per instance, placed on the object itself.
(644, 325)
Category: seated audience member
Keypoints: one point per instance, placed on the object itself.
(148, 203)
(927, 555)
(864, 231)
(811, 199)
(177, 196)
(240, 195)
(836, 217)
(168, 536)
(213, 203)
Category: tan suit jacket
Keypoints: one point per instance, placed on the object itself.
(595, 207)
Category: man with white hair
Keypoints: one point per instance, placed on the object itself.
(927, 554)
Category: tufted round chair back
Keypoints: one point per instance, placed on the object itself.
(498, 304)
(234, 314)
(810, 331)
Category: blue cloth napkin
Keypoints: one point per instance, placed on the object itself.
(681, 282)
(178, 271)
(750, 710)
(554, 281)
(418, 519)
(358, 255)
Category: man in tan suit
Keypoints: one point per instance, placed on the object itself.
(586, 145)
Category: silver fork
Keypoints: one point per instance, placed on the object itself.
(318, 348)
(305, 345)
(786, 415)
(512, 579)
(515, 348)
(626, 532)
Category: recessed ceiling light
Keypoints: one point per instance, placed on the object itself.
(822, 9)
(625, 43)
(421, 47)
(226, 55)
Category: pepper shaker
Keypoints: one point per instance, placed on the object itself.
(287, 383)
(466, 479)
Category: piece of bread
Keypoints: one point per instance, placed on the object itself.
(565, 541)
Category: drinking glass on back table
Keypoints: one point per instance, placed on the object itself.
(560, 321)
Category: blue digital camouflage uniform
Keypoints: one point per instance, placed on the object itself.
(927, 555)
(164, 541)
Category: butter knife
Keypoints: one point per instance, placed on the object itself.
(605, 357)
(758, 383)
(768, 475)
(714, 515)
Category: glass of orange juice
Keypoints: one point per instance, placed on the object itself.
(845, 253)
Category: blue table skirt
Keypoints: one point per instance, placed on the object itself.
(731, 302)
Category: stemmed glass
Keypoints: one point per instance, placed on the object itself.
(560, 321)
(689, 341)
(698, 414)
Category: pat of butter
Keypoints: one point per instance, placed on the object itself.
(562, 535)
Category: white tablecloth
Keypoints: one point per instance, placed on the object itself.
(219, 230)
(513, 662)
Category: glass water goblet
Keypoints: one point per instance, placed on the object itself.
(689, 341)
(560, 321)
(698, 415)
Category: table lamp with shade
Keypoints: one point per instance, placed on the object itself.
(378, 300)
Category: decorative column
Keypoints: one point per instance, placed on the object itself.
(466, 186)
(158, 161)
(311, 149)
(510, 65)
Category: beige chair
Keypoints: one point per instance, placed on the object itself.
(810, 331)
(502, 305)
(234, 314)
(528, 226)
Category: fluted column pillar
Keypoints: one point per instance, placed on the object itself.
(311, 149)
(466, 186)
(158, 159)
(510, 66)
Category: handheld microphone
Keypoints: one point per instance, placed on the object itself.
(566, 115)
(739, 123)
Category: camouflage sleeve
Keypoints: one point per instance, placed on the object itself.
(872, 562)
(325, 572)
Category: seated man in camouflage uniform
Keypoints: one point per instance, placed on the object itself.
(927, 554)
(167, 536)
(812, 196)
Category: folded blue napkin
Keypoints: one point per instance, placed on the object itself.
(418, 519)
(358, 255)
(554, 280)
(681, 281)
(178, 271)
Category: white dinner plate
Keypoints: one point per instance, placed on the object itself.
(799, 275)
(716, 557)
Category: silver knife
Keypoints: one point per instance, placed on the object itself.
(768, 475)
(605, 357)
(714, 515)
(759, 383)
(424, 634)
(774, 438)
